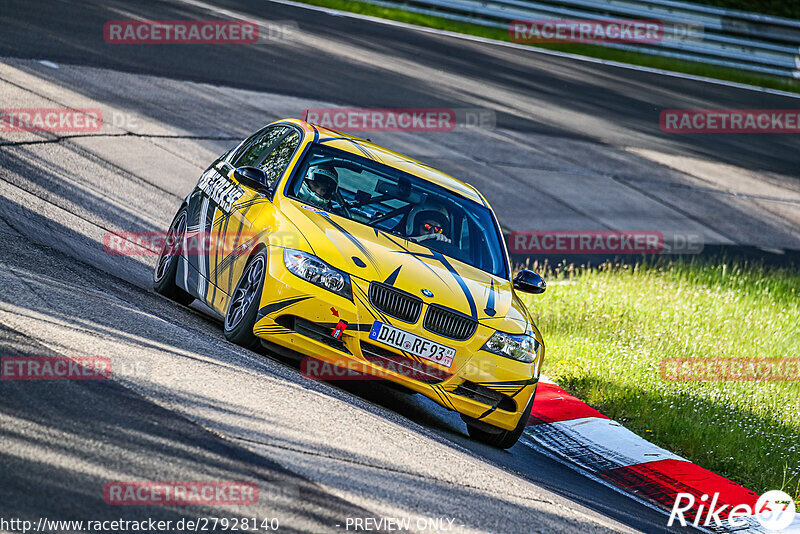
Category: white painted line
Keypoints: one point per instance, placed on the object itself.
(615, 443)
(485, 40)
(755, 526)
(48, 63)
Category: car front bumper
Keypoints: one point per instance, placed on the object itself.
(302, 317)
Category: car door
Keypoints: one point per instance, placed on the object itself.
(236, 231)
(215, 194)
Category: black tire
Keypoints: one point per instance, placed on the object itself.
(243, 308)
(497, 437)
(167, 266)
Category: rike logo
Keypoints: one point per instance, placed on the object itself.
(774, 510)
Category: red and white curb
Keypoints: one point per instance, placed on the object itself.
(576, 432)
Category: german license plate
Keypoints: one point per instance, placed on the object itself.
(413, 344)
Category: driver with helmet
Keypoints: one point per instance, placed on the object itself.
(319, 186)
(428, 222)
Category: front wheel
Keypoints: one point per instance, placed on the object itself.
(167, 265)
(243, 308)
(497, 437)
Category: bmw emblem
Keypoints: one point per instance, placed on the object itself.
(428, 293)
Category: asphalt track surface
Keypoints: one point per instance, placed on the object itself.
(185, 404)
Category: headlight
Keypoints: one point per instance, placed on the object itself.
(316, 271)
(521, 347)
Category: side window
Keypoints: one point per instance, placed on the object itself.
(242, 147)
(254, 153)
(276, 161)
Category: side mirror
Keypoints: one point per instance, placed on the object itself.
(529, 282)
(253, 178)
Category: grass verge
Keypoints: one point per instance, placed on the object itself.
(607, 330)
(600, 52)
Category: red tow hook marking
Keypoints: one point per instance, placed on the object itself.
(337, 332)
(334, 311)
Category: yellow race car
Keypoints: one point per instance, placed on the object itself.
(329, 245)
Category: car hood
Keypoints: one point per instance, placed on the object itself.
(347, 245)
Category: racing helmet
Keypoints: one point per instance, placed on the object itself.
(421, 212)
(322, 174)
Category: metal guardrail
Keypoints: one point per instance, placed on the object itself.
(715, 36)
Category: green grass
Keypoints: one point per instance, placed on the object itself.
(634, 58)
(606, 331)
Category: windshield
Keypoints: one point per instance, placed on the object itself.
(398, 203)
